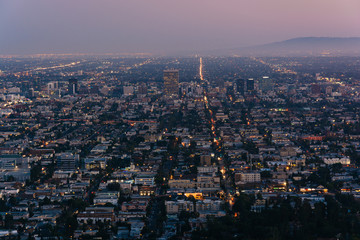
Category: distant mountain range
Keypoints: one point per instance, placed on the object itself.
(306, 46)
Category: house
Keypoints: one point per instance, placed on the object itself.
(94, 214)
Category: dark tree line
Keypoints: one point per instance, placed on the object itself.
(337, 217)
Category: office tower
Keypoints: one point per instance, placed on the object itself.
(142, 89)
(31, 93)
(25, 86)
(37, 84)
(171, 82)
(73, 86)
(52, 86)
(265, 84)
(250, 85)
(240, 86)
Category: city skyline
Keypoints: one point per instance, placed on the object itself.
(199, 147)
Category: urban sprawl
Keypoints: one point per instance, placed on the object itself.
(109, 147)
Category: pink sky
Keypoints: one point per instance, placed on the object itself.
(46, 26)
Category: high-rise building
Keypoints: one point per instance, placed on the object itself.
(37, 84)
(25, 86)
(250, 85)
(240, 86)
(52, 86)
(142, 88)
(73, 86)
(265, 84)
(31, 93)
(171, 82)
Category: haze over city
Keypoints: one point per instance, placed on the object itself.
(167, 27)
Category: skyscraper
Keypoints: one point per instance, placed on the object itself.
(73, 86)
(31, 93)
(250, 86)
(142, 88)
(52, 86)
(171, 82)
(265, 84)
(240, 86)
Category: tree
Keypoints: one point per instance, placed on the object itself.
(266, 174)
(113, 186)
(9, 221)
(10, 178)
(35, 173)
